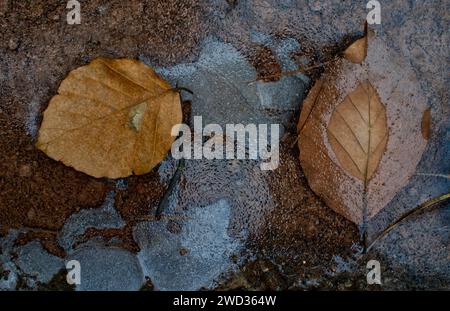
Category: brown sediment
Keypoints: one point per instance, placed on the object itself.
(172, 29)
(266, 64)
(148, 285)
(57, 283)
(138, 203)
(42, 200)
(46, 238)
(38, 193)
(258, 274)
(302, 228)
(124, 236)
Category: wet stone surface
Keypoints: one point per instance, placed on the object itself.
(104, 217)
(106, 268)
(226, 224)
(189, 256)
(224, 90)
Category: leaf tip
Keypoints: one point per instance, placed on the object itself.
(357, 51)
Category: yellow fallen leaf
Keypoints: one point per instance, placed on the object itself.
(111, 118)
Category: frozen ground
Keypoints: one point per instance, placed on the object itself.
(227, 224)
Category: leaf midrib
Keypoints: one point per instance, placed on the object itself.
(101, 118)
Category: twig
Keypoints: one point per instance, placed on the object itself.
(423, 206)
(292, 72)
(434, 175)
(165, 200)
(180, 88)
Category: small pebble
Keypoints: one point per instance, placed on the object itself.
(183, 251)
(31, 213)
(13, 44)
(348, 284)
(102, 9)
(315, 5)
(25, 171)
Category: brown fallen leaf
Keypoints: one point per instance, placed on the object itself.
(358, 132)
(111, 118)
(360, 129)
(426, 123)
(357, 52)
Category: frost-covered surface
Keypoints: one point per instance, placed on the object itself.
(104, 217)
(33, 260)
(107, 268)
(224, 90)
(192, 258)
(219, 207)
(9, 269)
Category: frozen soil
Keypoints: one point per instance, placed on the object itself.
(231, 224)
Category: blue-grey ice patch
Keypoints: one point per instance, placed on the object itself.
(343, 265)
(223, 91)
(107, 269)
(261, 38)
(31, 122)
(240, 182)
(405, 244)
(289, 88)
(37, 264)
(104, 217)
(204, 239)
(166, 169)
(122, 184)
(9, 281)
(7, 242)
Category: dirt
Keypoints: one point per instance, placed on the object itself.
(57, 283)
(302, 235)
(148, 286)
(38, 193)
(45, 199)
(38, 49)
(266, 64)
(137, 203)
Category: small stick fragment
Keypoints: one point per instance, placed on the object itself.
(426, 205)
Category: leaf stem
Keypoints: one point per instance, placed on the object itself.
(434, 175)
(428, 204)
(292, 72)
(180, 88)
